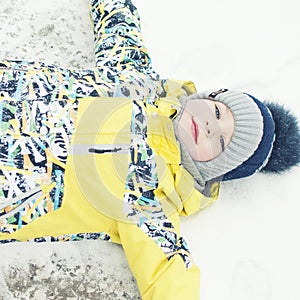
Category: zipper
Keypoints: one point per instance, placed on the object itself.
(80, 149)
(101, 151)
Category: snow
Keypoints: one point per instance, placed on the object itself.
(246, 244)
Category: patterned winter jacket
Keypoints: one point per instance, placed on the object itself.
(92, 154)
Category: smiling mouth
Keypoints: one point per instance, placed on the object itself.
(195, 130)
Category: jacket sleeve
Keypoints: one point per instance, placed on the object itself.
(118, 40)
(159, 276)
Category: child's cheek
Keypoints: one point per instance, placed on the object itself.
(205, 151)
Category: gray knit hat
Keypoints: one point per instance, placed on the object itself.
(266, 138)
(248, 124)
(248, 133)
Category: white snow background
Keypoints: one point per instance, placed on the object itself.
(246, 244)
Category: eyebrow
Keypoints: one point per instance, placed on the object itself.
(227, 109)
(228, 112)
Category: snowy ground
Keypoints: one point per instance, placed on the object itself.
(247, 244)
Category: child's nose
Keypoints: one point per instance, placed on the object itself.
(211, 128)
(207, 128)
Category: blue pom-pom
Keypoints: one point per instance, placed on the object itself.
(286, 147)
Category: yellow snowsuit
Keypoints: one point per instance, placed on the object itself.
(98, 158)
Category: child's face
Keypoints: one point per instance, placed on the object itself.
(205, 128)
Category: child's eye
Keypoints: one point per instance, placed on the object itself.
(217, 112)
(222, 142)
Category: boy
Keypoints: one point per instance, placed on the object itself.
(95, 150)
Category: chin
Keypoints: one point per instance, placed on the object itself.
(193, 154)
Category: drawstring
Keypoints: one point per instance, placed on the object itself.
(101, 151)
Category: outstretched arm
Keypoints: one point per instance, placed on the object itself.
(118, 40)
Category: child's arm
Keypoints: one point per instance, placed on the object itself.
(158, 276)
(118, 40)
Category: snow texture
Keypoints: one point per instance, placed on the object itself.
(247, 244)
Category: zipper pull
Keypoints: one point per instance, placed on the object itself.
(101, 151)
